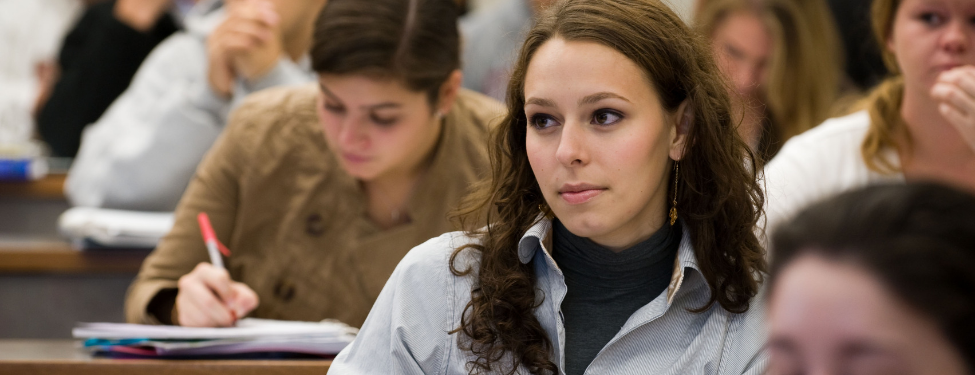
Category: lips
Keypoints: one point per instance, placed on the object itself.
(354, 159)
(579, 193)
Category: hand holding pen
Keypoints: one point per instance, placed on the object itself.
(207, 296)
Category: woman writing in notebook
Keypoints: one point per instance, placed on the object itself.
(319, 191)
(623, 241)
(919, 124)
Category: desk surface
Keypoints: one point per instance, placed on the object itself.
(58, 257)
(49, 187)
(65, 357)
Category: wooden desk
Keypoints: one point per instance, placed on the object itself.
(44, 357)
(49, 187)
(45, 285)
(19, 257)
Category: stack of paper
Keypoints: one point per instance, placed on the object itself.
(249, 336)
(90, 227)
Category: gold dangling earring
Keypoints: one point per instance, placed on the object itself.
(673, 208)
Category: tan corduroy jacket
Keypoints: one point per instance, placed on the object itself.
(295, 222)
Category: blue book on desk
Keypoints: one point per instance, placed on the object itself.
(22, 169)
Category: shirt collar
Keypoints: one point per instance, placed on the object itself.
(536, 235)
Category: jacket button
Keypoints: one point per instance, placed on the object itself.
(284, 290)
(315, 225)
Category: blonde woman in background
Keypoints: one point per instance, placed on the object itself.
(919, 124)
(783, 60)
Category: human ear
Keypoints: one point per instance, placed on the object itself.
(448, 92)
(683, 120)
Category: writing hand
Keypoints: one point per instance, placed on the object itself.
(207, 297)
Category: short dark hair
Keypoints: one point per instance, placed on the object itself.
(414, 41)
(917, 239)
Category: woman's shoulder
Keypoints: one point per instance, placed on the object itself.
(833, 144)
(276, 119)
(267, 108)
(437, 256)
(844, 132)
(482, 112)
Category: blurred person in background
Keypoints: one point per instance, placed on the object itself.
(142, 152)
(97, 60)
(879, 280)
(31, 33)
(918, 125)
(492, 37)
(320, 190)
(783, 61)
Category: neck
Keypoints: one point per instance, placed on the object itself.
(389, 195)
(637, 231)
(751, 129)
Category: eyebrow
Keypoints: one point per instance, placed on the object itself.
(588, 99)
(540, 101)
(595, 98)
(367, 107)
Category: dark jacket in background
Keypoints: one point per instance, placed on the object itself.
(98, 59)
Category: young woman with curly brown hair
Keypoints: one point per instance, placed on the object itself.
(621, 239)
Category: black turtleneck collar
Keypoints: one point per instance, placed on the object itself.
(604, 288)
(648, 263)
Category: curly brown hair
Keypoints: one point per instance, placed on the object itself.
(719, 196)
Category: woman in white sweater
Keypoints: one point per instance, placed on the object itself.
(918, 125)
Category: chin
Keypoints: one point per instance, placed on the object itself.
(583, 224)
(359, 172)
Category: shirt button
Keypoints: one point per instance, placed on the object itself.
(284, 290)
(315, 225)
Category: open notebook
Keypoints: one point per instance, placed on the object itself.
(89, 227)
(249, 336)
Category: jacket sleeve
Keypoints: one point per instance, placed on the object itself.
(214, 190)
(98, 59)
(407, 330)
(142, 153)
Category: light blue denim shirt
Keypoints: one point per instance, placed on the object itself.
(407, 331)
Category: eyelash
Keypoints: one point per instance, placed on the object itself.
(536, 118)
(384, 122)
(931, 18)
(609, 112)
(333, 108)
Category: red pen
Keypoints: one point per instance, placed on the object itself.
(214, 247)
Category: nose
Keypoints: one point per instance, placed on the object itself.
(352, 133)
(745, 77)
(572, 151)
(956, 39)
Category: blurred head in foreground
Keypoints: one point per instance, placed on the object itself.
(876, 281)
